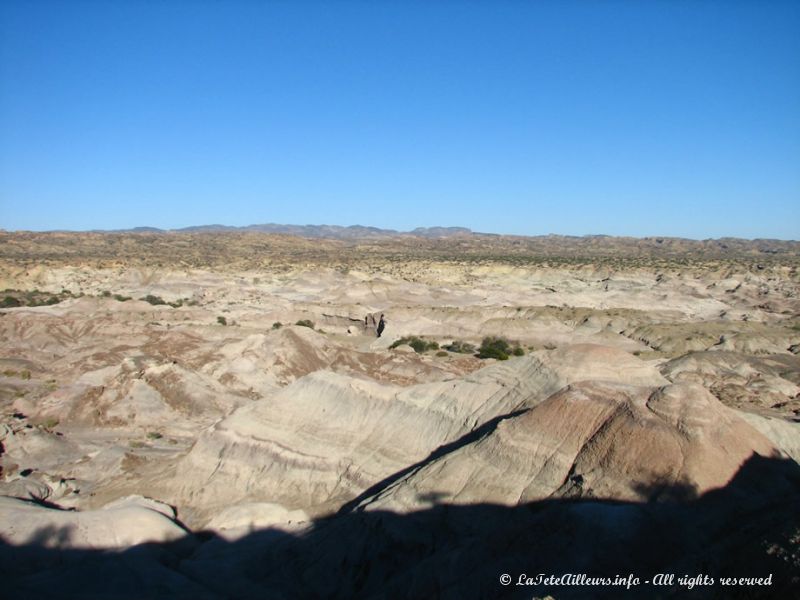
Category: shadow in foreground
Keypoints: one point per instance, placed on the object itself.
(749, 528)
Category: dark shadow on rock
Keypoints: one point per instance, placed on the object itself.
(665, 490)
(433, 497)
(52, 536)
(749, 528)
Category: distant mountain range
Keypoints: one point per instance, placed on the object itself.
(550, 244)
(312, 231)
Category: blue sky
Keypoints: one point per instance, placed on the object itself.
(676, 118)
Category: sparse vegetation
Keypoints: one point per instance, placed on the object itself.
(179, 302)
(277, 325)
(15, 298)
(499, 348)
(305, 323)
(419, 344)
(10, 302)
(460, 347)
(222, 320)
(121, 298)
(154, 300)
(441, 353)
(154, 435)
(24, 374)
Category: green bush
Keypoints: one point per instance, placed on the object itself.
(305, 323)
(154, 300)
(417, 343)
(460, 347)
(499, 348)
(154, 435)
(121, 298)
(10, 302)
(222, 320)
(494, 347)
(277, 325)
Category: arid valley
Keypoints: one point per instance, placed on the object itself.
(207, 414)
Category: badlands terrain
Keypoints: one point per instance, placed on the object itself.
(169, 430)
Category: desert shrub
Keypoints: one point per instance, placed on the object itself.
(105, 294)
(441, 353)
(305, 323)
(417, 343)
(460, 347)
(154, 300)
(154, 435)
(499, 348)
(10, 302)
(179, 302)
(121, 298)
(277, 325)
(222, 320)
(494, 347)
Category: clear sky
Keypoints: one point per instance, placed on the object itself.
(677, 118)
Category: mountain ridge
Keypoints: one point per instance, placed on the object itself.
(356, 232)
